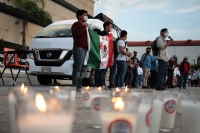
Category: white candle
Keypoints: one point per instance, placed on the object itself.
(118, 122)
(168, 113)
(86, 97)
(72, 95)
(143, 121)
(116, 93)
(43, 123)
(190, 116)
(156, 116)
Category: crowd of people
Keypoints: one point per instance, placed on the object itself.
(155, 69)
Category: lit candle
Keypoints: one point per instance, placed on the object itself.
(119, 120)
(116, 93)
(144, 114)
(86, 97)
(43, 120)
(126, 92)
(95, 105)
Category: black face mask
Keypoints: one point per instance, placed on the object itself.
(148, 52)
(135, 54)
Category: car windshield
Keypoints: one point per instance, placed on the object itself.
(55, 31)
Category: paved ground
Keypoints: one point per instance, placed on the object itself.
(82, 123)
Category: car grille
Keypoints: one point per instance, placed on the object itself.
(55, 54)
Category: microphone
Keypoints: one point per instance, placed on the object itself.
(169, 37)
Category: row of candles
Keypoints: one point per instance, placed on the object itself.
(120, 111)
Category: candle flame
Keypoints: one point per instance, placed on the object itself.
(57, 88)
(99, 89)
(22, 86)
(40, 103)
(126, 89)
(117, 89)
(23, 89)
(119, 104)
(87, 88)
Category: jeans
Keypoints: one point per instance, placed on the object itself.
(121, 71)
(128, 77)
(145, 76)
(153, 78)
(161, 71)
(113, 72)
(139, 80)
(135, 74)
(79, 69)
(170, 79)
(100, 77)
(183, 80)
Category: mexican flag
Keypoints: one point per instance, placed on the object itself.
(100, 50)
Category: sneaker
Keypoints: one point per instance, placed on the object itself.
(104, 87)
(78, 89)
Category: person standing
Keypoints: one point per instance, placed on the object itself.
(170, 73)
(146, 65)
(162, 57)
(101, 73)
(194, 77)
(139, 77)
(154, 63)
(135, 63)
(184, 68)
(80, 48)
(121, 59)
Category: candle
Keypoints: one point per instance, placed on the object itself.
(119, 116)
(44, 121)
(191, 114)
(60, 92)
(169, 111)
(126, 92)
(179, 111)
(73, 95)
(144, 114)
(86, 97)
(116, 92)
(96, 95)
(156, 115)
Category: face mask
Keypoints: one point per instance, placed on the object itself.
(148, 52)
(166, 34)
(85, 18)
(135, 54)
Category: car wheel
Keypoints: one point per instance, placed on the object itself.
(43, 79)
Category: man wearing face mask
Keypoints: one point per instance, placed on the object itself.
(80, 48)
(163, 57)
(135, 74)
(146, 65)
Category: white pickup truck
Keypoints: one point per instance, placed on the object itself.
(53, 52)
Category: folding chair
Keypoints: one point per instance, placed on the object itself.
(11, 62)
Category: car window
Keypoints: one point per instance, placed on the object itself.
(55, 31)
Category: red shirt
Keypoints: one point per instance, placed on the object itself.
(79, 35)
(186, 67)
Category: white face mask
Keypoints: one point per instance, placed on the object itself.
(166, 34)
(85, 18)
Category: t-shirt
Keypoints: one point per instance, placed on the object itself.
(153, 65)
(171, 64)
(121, 56)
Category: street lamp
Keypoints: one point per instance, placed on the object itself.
(194, 61)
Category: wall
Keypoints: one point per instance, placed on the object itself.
(10, 31)
(192, 52)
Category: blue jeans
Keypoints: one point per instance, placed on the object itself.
(121, 71)
(138, 80)
(183, 80)
(100, 77)
(113, 72)
(161, 71)
(79, 69)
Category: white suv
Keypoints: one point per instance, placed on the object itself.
(53, 52)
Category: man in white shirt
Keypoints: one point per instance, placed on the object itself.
(163, 57)
(121, 59)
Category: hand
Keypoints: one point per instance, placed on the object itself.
(86, 24)
(171, 39)
(128, 54)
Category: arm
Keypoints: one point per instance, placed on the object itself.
(78, 30)
(153, 61)
(142, 58)
(161, 44)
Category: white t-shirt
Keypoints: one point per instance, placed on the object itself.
(121, 56)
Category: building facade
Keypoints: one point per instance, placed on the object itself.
(10, 22)
(178, 50)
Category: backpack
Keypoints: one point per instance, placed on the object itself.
(155, 48)
(116, 53)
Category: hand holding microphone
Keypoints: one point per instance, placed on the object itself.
(171, 39)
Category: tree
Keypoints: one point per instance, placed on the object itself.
(32, 8)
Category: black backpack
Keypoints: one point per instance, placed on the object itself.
(155, 48)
